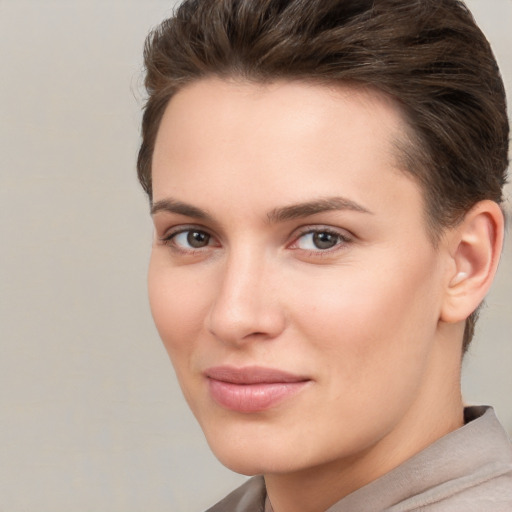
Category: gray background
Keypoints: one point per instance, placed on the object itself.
(91, 417)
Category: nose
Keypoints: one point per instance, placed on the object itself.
(246, 305)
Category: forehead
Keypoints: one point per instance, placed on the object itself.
(278, 142)
(215, 108)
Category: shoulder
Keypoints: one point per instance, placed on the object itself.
(476, 467)
(249, 497)
(468, 470)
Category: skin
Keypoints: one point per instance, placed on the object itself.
(372, 322)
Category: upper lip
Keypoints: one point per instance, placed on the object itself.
(252, 375)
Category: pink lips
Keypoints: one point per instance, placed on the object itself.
(251, 389)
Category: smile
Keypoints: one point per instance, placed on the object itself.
(252, 389)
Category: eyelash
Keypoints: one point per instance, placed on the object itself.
(343, 240)
(169, 239)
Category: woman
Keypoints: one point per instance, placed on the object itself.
(325, 180)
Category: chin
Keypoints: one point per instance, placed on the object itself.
(256, 463)
(252, 452)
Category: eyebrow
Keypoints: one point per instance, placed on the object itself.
(277, 215)
(174, 206)
(301, 210)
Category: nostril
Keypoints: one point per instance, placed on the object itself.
(234, 328)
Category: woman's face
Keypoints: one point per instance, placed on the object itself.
(292, 279)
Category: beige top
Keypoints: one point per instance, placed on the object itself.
(468, 470)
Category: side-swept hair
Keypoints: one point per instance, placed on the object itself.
(428, 54)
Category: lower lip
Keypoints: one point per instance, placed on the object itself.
(252, 397)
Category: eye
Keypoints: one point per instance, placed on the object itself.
(189, 239)
(319, 240)
(192, 238)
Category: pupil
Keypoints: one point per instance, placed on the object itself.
(324, 240)
(197, 239)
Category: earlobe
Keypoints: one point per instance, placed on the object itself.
(476, 247)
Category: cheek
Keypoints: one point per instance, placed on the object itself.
(178, 301)
(367, 336)
(370, 315)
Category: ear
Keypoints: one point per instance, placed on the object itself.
(475, 249)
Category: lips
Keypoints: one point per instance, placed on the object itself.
(252, 389)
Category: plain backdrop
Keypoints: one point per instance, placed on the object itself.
(91, 418)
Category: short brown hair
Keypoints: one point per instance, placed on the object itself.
(428, 54)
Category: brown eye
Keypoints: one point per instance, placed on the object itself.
(324, 240)
(320, 240)
(189, 239)
(197, 239)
